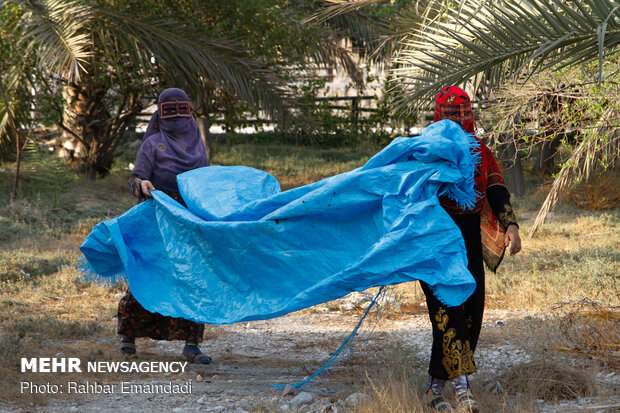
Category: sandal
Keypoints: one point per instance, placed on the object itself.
(128, 345)
(467, 403)
(437, 402)
(193, 354)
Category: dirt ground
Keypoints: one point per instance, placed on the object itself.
(249, 357)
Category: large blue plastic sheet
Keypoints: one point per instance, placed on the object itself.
(242, 250)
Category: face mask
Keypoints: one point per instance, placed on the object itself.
(174, 109)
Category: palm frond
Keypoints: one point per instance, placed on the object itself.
(408, 22)
(365, 31)
(337, 8)
(11, 105)
(331, 51)
(53, 28)
(582, 162)
(190, 60)
(379, 37)
(503, 39)
(6, 132)
(346, 21)
(568, 107)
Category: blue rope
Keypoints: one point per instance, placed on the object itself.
(336, 358)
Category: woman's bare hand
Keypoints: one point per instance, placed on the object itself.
(513, 239)
(146, 187)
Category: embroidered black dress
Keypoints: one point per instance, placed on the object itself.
(456, 329)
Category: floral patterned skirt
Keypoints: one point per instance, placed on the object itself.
(135, 321)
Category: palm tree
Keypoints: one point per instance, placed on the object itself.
(107, 60)
(501, 40)
(63, 49)
(487, 44)
(490, 43)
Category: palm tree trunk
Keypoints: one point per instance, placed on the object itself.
(91, 132)
(73, 144)
(204, 124)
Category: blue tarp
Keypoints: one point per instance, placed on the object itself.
(242, 250)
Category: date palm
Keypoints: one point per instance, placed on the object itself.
(491, 43)
(486, 44)
(106, 59)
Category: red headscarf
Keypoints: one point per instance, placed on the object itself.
(453, 103)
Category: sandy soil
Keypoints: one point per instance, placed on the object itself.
(248, 357)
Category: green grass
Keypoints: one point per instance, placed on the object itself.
(295, 165)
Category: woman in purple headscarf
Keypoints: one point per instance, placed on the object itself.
(172, 145)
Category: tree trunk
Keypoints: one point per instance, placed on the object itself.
(73, 106)
(204, 124)
(545, 163)
(511, 163)
(91, 132)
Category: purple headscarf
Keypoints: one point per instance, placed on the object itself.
(171, 146)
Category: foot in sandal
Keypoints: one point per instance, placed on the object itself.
(193, 354)
(128, 345)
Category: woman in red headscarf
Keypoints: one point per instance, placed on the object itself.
(456, 329)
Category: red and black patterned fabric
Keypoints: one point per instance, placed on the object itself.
(487, 175)
(453, 103)
(135, 321)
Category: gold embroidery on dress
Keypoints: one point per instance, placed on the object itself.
(458, 358)
(507, 217)
(469, 322)
(442, 319)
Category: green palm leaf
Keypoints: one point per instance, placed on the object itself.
(53, 29)
(381, 38)
(335, 8)
(190, 60)
(503, 39)
(61, 33)
(349, 18)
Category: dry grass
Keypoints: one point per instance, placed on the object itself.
(399, 384)
(573, 257)
(589, 329)
(547, 380)
(549, 377)
(597, 194)
(45, 307)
